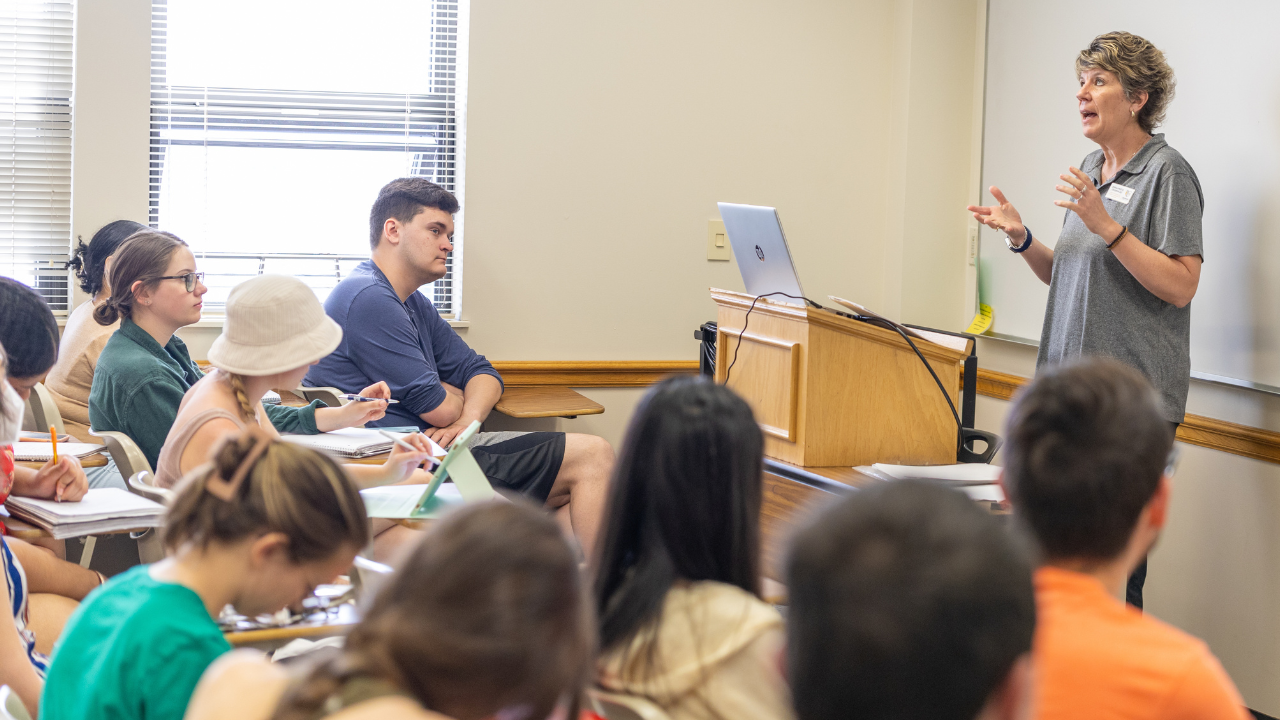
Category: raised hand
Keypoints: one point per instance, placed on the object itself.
(1003, 216)
(1086, 202)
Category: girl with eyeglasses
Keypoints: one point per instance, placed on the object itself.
(144, 369)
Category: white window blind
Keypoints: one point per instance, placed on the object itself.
(36, 47)
(274, 123)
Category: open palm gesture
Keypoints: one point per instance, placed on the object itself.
(1003, 217)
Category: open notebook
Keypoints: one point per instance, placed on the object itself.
(103, 510)
(41, 451)
(433, 499)
(353, 442)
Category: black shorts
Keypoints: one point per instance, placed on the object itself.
(522, 462)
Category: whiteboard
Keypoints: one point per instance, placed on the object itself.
(1224, 119)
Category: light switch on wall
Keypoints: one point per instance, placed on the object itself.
(717, 241)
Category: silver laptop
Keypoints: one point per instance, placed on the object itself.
(755, 233)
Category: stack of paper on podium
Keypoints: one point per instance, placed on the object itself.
(977, 480)
(102, 511)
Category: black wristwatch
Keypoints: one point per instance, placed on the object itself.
(1018, 249)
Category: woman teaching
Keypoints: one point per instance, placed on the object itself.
(1127, 261)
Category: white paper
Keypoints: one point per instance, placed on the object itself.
(967, 473)
(983, 493)
(97, 504)
(398, 501)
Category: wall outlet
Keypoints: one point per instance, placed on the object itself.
(718, 241)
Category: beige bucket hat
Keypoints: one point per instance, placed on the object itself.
(274, 323)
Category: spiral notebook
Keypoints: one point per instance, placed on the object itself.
(352, 442)
(102, 511)
(43, 451)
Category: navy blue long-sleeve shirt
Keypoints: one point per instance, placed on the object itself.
(407, 344)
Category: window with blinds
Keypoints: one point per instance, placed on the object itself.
(274, 124)
(36, 48)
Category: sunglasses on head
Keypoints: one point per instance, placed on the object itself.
(189, 280)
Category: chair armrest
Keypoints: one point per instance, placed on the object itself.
(326, 395)
(128, 456)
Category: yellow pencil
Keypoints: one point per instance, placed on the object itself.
(53, 438)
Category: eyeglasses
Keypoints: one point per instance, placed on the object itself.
(189, 280)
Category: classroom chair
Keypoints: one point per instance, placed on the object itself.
(11, 707)
(124, 451)
(326, 395)
(44, 411)
(615, 706)
(150, 547)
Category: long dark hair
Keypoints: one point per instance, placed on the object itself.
(90, 261)
(28, 330)
(144, 256)
(488, 612)
(685, 504)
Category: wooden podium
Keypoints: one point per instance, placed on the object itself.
(828, 390)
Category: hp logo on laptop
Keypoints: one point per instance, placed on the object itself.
(759, 253)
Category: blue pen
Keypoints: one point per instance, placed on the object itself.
(361, 398)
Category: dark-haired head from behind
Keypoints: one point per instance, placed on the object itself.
(907, 601)
(29, 334)
(684, 504)
(404, 198)
(90, 261)
(1087, 446)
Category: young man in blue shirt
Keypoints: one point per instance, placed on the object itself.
(393, 332)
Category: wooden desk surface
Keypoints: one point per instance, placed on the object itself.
(546, 401)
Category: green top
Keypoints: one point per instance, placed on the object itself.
(135, 648)
(138, 386)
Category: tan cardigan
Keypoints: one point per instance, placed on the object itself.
(718, 656)
(72, 376)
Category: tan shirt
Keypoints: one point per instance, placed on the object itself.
(71, 378)
(718, 656)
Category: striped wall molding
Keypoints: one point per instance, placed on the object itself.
(1195, 430)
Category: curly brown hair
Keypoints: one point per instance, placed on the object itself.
(1140, 67)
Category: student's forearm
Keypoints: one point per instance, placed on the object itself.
(47, 574)
(482, 393)
(446, 413)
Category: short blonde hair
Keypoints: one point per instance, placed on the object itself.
(1139, 65)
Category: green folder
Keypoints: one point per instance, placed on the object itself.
(414, 502)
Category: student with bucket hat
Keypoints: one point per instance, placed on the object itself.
(275, 331)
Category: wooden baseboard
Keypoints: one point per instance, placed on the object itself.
(1199, 430)
(601, 373)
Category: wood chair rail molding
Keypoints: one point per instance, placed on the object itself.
(1234, 438)
(591, 373)
(1228, 437)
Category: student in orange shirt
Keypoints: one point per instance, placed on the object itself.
(1087, 469)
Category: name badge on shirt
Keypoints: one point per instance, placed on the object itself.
(1120, 193)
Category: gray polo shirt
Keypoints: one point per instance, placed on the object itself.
(1096, 307)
